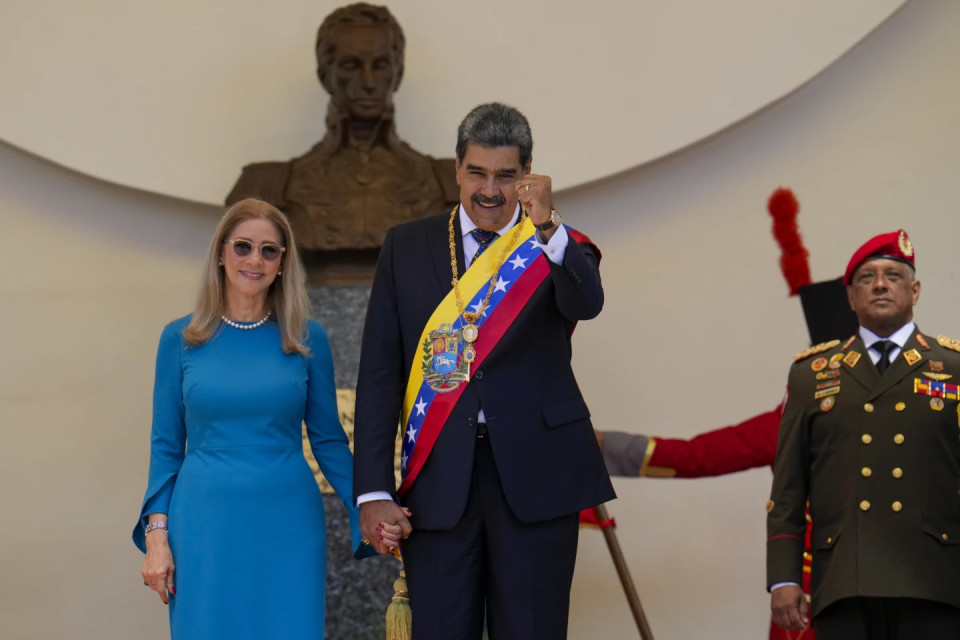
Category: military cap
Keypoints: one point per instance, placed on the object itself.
(893, 246)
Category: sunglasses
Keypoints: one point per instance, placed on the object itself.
(268, 250)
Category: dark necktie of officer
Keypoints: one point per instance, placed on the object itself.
(483, 238)
(883, 347)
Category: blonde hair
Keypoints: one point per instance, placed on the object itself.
(286, 297)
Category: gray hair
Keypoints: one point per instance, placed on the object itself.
(496, 125)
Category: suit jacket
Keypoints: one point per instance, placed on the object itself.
(881, 466)
(545, 451)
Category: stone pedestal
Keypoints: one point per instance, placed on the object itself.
(358, 592)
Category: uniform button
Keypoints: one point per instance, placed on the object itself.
(896, 506)
(865, 472)
(900, 406)
(865, 506)
(471, 422)
(478, 375)
(866, 438)
(897, 472)
(898, 438)
(829, 540)
(944, 537)
(868, 408)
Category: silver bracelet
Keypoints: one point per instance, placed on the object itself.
(159, 524)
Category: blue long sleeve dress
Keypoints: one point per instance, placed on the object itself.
(246, 521)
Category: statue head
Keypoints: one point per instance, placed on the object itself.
(360, 60)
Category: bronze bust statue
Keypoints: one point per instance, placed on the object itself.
(361, 178)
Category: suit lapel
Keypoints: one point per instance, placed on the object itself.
(439, 244)
(863, 370)
(899, 369)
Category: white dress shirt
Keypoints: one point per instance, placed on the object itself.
(898, 337)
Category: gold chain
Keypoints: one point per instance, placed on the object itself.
(471, 316)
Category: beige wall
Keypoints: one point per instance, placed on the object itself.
(697, 333)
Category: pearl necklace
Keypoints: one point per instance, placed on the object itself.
(249, 325)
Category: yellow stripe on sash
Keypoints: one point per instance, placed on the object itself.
(476, 278)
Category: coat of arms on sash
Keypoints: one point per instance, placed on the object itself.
(445, 365)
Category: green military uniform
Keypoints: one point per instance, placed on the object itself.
(879, 458)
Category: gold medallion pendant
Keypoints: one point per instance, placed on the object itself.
(471, 333)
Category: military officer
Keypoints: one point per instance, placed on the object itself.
(870, 435)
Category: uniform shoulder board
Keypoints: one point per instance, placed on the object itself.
(815, 349)
(944, 341)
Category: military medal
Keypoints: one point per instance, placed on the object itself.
(936, 389)
(819, 364)
(852, 359)
(826, 392)
(827, 375)
(912, 357)
(835, 360)
(827, 403)
(936, 404)
(470, 333)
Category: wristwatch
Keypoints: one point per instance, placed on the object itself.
(553, 221)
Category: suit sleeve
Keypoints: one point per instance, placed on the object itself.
(747, 445)
(380, 383)
(786, 517)
(579, 292)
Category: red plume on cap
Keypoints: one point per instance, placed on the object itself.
(783, 207)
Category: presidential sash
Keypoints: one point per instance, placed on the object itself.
(437, 378)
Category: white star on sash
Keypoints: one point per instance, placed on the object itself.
(411, 434)
(536, 245)
(501, 285)
(480, 308)
(403, 461)
(421, 405)
(518, 262)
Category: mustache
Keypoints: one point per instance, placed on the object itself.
(496, 201)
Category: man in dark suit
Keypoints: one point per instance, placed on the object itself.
(870, 435)
(499, 455)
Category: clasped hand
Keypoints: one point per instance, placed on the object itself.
(384, 524)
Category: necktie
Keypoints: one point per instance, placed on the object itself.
(883, 347)
(483, 238)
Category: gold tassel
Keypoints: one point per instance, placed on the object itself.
(399, 615)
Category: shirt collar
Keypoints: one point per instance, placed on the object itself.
(899, 337)
(466, 224)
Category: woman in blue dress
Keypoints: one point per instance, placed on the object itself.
(232, 522)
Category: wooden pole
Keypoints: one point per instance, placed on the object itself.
(608, 526)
